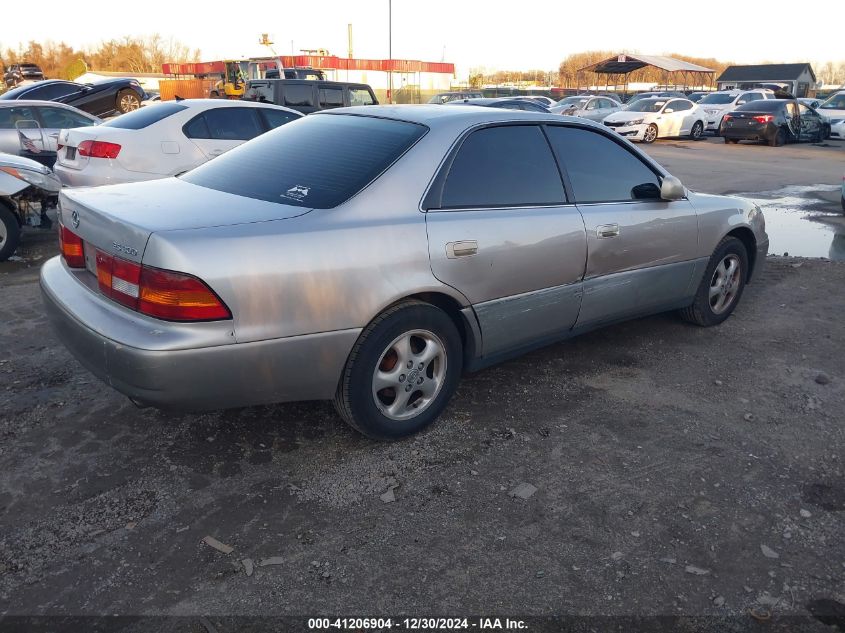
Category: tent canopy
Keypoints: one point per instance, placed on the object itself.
(624, 64)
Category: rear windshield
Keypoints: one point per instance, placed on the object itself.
(762, 105)
(718, 99)
(318, 161)
(143, 117)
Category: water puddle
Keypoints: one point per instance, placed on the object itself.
(801, 223)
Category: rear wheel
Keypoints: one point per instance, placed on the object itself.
(697, 131)
(650, 134)
(731, 141)
(10, 233)
(778, 139)
(401, 372)
(127, 100)
(722, 285)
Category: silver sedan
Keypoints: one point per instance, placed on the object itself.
(372, 255)
(32, 127)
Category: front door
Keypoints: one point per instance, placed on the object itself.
(641, 250)
(501, 231)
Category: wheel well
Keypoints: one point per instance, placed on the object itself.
(453, 309)
(746, 236)
(11, 207)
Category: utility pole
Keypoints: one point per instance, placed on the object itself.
(390, 50)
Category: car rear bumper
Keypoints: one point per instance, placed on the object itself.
(156, 363)
(762, 132)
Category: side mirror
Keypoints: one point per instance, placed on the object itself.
(672, 189)
(668, 111)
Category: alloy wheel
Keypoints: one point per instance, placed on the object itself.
(129, 103)
(725, 283)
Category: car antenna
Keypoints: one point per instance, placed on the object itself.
(178, 98)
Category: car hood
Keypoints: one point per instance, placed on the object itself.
(622, 117)
(127, 214)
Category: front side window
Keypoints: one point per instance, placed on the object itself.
(600, 169)
(503, 167)
(331, 97)
(17, 117)
(360, 96)
(225, 124)
(61, 119)
(318, 161)
(680, 105)
(52, 91)
(276, 118)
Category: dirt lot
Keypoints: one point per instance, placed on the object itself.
(679, 471)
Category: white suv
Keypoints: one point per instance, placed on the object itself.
(718, 104)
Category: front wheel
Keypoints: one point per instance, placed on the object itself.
(402, 371)
(697, 131)
(650, 134)
(722, 285)
(127, 101)
(10, 233)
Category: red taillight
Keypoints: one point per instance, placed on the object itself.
(727, 117)
(764, 118)
(163, 294)
(59, 147)
(98, 149)
(71, 247)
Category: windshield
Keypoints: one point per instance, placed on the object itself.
(836, 102)
(647, 105)
(318, 161)
(718, 99)
(143, 117)
(578, 101)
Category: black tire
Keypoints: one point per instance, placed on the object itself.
(126, 101)
(697, 131)
(10, 233)
(650, 134)
(820, 135)
(355, 400)
(825, 132)
(778, 139)
(731, 141)
(701, 310)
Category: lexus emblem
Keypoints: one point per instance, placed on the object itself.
(74, 217)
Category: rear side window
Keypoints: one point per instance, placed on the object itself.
(298, 95)
(59, 118)
(331, 97)
(360, 96)
(224, 124)
(17, 117)
(144, 117)
(276, 118)
(318, 161)
(503, 167)
(600, 169)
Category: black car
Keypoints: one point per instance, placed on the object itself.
(99, 98)
(776, 121)
(509, 103)
(17, 73)
(306, 96)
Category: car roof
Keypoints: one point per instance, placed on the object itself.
(434, 115)
(17, 103)
(229, 103)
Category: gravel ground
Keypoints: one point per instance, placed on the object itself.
(650, 468)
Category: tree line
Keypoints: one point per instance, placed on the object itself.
(127, 54)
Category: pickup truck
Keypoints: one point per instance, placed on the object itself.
(309, 96)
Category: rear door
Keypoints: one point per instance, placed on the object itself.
(501, 232)
(682, 116)
(218, 130)
(641, 250)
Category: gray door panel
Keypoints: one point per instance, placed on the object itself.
(524, 280)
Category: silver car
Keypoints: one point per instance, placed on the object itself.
(32, 127)
(586, 107)
(370, 255)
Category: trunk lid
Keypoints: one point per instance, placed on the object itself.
(119, 219)
(69, 156)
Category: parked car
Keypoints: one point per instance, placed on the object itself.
(775, 121)
(718, 104)
(546, 102)
(593, 108)
(166, 140)
(811, 103)
(370, 255)
(445, 97)
(308, 96)
(16, 73)
(609, 95)
(695, 97)
(98, 98)
(31, 128)
(153, 98)
(650, 119)
(843, 194)
(833, 109)
(507, 103)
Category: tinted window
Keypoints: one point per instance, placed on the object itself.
(331, 97)
(503, 167)
(143, 117)
(52, 91)
(600, 169)
(60, 118)
(717, 98)
(17, 117)
(836, 102)
(260, 91)
(360, 96)
(762, 105)
(228, 124)
(317, 161)
(298, 95)
(276, 118)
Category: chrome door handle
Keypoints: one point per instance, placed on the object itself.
(461, 249)
(607, 230)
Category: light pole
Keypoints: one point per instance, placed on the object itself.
(390, 50)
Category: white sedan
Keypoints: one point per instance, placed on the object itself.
(659, 117)
(163, 141)
(834, 111)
